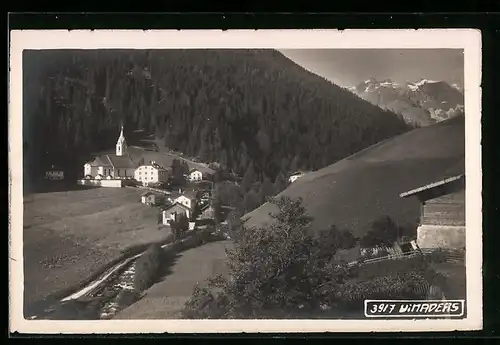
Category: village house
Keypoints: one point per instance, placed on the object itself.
(148, 198)
(207, 212)
(293, 177)
(54, 173)
(188, 199)
(442, 213)
(173, 212)
(195, 175)
(151, 173)
(112, 166)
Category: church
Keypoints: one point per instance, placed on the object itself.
(112, 166)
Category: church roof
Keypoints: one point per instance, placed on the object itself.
(112, 160)
(121, 161)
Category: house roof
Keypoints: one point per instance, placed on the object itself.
(154, 165)
(433, 185)
(176, 204)
(112, 160)
(299, 173)
(193, 170)
(205, 207)
(147, 193)
(189, 194)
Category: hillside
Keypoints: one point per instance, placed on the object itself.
(67, 236)
(353, 192)
(424, 102)
(230, 106)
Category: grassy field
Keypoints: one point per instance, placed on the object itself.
(68, 235)
(165, 299)
(353, 192)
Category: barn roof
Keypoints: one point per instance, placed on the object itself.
(433, 185)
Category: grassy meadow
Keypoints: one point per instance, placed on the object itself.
(68, 235)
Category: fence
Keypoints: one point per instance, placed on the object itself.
(115, 183)
(449, 255)
(154, 190)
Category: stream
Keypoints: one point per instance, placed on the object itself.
(106, 295)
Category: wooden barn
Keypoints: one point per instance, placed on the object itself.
(442, 213)
(148, 198)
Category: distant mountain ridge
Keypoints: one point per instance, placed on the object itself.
(423, 102)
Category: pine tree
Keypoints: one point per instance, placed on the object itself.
(294, 165)
(266, 190)
(217, 206)
(280, 183)
(248, 178)
(251, 201)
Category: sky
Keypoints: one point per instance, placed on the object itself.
(349, 67)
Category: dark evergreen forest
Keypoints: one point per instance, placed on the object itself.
(236, 107)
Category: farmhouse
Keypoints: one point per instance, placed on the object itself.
(207, 212)
(112, 166)
(195, 175)
(188, 199)
(148, 198)
(151, 173)
(172, 213)
(442, 213)
(54, 173)
(293, 177)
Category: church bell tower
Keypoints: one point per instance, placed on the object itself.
(121, 145)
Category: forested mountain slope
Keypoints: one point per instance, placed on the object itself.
(230, 106)
(355, 191)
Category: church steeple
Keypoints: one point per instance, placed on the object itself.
(121, 145)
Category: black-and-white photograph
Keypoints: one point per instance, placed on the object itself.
(245, 183)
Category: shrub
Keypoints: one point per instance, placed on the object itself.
(127, 297)
(147, 266)
(401, 285)
(438, 256)
(384, 231)
(278, 267)
(180, 226)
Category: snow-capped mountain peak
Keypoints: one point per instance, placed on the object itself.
(424, 101)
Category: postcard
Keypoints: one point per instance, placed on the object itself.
(206, 181)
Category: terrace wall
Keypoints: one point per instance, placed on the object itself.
(102, 183)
